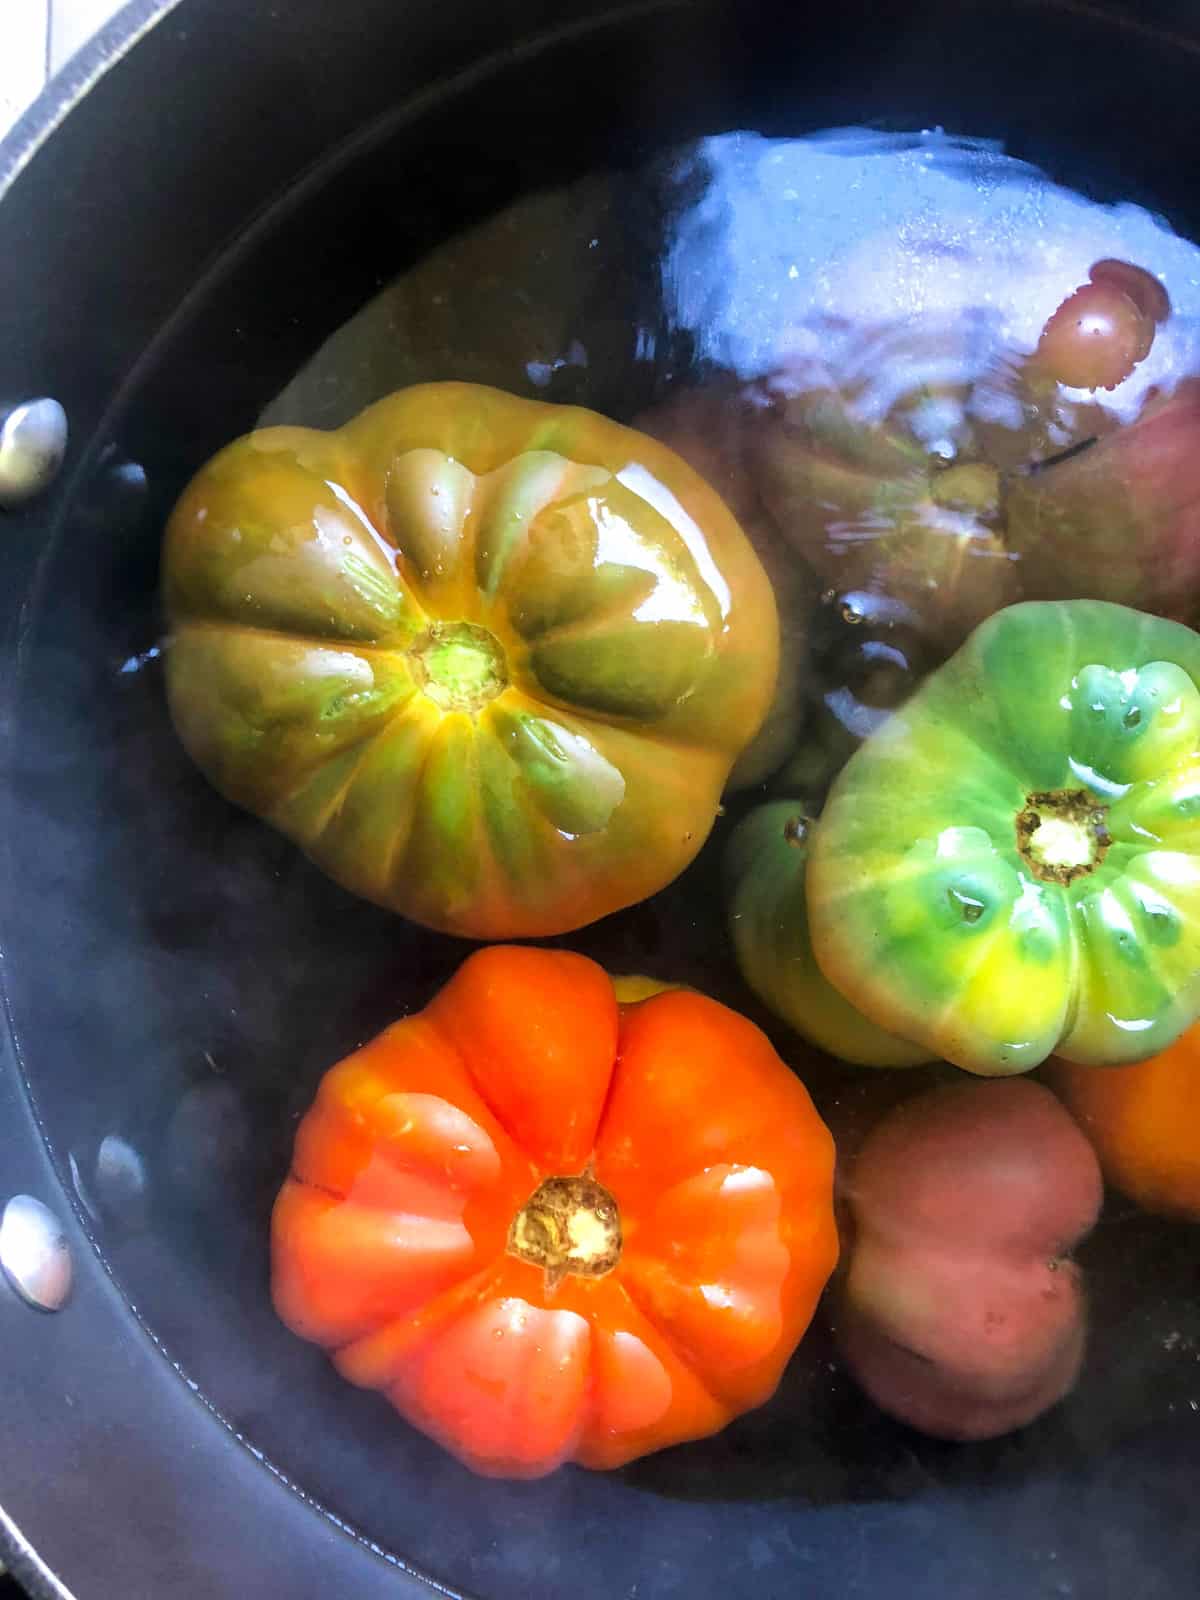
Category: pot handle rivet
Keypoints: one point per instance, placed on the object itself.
(34, 1253)
(33, 442)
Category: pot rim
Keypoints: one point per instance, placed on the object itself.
(67, 87)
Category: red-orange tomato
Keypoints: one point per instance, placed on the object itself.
(1104, 329)
(549, 1227)
(1144, 1122)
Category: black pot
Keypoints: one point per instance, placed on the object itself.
(211, 192)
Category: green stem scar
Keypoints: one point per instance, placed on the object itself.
(568, 1225)
(1062, 835)
(459, 665)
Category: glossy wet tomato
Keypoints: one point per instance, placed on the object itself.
(707, 426)
(1104, 329)
(766, 870)
(488, 661)
(1010, 866)
(551, 1228)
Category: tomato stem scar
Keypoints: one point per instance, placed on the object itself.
(568, 1225)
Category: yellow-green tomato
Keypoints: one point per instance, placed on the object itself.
(487, 661)
(768, 922)
(1011, 865)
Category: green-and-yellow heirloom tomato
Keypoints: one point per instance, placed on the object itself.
(487, 661)
(1011, 864)
(766, 867)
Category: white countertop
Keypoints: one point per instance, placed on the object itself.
(36, 38)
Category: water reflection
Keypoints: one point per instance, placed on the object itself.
(881, 349)
(140, 661)
(854, 229)
(948, 384)
(112, 1185)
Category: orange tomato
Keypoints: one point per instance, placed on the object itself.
(551, 1228)
(1144, 1122)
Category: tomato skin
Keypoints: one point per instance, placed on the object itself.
(1119, 521)
(865, 502)
(940, 900)
(959, 1312)
(708, 426)
(1096, 337)
(1144, 1124)
(390, 1235)
(766, 868)
(487, 661)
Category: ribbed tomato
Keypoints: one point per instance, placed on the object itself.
(551, 1228)
(487, 661)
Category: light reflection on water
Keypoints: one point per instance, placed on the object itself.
(796, 243)
(841, 333)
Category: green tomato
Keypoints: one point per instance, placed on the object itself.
(1010, 866)
(487, 661)
(768, 922)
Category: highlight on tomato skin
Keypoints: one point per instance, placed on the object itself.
(554, 1226)
(1009, 868)
(707, 427)
(487, 661)
(1095, 338)
(1103, 330)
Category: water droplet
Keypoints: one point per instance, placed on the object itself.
(1161, 925)
(795, 829)
(1132, 717)
(497, 1333)
(966, 905)
(136, 663)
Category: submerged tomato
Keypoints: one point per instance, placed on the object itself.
(1011, 865)
(902, 505)
(549, 1228)
(768, 923)
(1120, 520)
(959, 1312)
(487, 661)
(1144, 1123)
